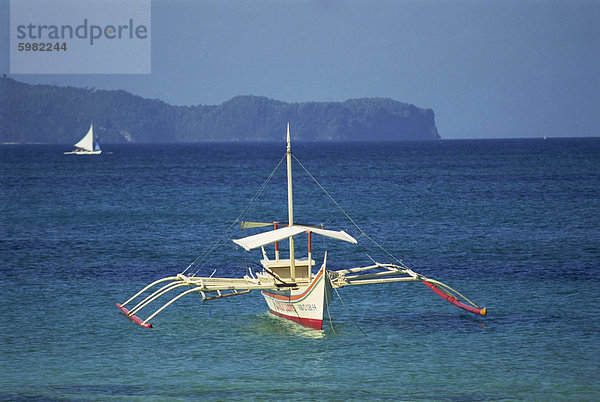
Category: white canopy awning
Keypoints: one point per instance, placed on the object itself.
(262, 239)
(339, 235)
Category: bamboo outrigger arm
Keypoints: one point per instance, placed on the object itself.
(389, 273)
(227, 287)
(224, 287)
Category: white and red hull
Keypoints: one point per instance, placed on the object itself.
(305, 305)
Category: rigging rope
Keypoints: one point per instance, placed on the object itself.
(203, 257)
(445, 288)
(362, 232)
(348, 312)
(328, 314)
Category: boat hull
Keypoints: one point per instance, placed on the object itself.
(305, 305)
(83, 153)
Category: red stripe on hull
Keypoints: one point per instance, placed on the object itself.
(134, 318)
(304, 306)
(307, 322)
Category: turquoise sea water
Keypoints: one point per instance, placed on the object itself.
(512, 224)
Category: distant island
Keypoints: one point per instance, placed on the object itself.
(52, 114)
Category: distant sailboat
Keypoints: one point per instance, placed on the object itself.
(87, 146)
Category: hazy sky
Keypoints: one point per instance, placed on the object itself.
(488, 69)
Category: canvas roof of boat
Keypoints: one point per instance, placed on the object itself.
(262, 239)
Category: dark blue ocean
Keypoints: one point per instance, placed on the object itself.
(511, 224)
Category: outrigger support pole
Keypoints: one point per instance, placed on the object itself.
(388, 273)
(372, 274)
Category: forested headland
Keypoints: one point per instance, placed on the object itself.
(53, 114)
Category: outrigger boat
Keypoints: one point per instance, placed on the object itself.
(290, 287)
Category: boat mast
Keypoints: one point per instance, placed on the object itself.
(290, 204)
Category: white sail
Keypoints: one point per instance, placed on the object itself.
(87, 142)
